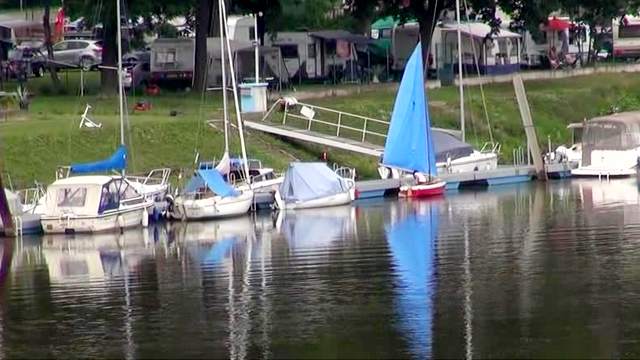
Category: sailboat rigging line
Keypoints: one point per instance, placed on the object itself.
(236, 101)
(224, 80)
(477, 66)
(119, 74)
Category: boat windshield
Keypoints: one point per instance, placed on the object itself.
(609, 135)
(71, 197)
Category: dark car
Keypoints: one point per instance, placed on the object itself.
(137, 69)
(25, 61)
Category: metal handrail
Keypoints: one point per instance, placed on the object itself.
(339, 125)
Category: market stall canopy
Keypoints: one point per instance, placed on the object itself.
(556, 24)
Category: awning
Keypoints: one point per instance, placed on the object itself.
(479, 30)
(117, 161)
(556, 24)
(343, 35)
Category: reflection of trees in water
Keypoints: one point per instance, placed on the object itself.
(544, 267)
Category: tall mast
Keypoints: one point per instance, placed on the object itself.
(120, 87)
(245, 161)
(460, 69)
(224, 78)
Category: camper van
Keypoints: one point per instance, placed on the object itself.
(172, 61)
(241, 28)
(626, 38)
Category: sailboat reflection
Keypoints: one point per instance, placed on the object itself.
(211, 242)
(412, 236)
(316, 228)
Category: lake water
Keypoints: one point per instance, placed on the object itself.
(538, 270)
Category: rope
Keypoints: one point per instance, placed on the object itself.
(475, 61)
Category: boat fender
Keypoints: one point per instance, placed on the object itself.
(278, 203)
(145, 218)
(409, 192)
(120, 221)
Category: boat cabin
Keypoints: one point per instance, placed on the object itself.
(90, 195)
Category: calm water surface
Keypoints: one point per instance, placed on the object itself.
(540, 270)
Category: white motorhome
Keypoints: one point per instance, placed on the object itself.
(626, 37)
(172, 60)
(241, 28)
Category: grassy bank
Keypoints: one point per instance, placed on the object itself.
(36, 142)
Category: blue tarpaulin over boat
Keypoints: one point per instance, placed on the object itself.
(117, 161)
(412, 242)
(409, 145)
(213, 180)
(308, 181)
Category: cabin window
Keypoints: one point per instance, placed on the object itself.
(252, 33)
(385, 33)
(128, 192)
(72, 197)
(629, 31)
(166, 57)
(289, 51)
(110, 196)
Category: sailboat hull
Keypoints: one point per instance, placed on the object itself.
(213, 207)
(435, 188)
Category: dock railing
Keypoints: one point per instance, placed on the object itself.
(337, 123)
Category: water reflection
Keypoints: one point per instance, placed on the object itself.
(537, 270)
(412, 237)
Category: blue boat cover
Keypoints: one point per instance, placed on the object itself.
(212, 179)
(117, 161)
(409, 145)
(412, 242)
(308, 181)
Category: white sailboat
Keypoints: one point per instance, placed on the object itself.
(208, 195)
(94, 203)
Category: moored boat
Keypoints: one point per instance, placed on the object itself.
(409, 146)
(88, 204)
(313, 185)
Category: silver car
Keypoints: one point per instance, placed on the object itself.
(86, 54)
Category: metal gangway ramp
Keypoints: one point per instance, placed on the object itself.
(327, 127)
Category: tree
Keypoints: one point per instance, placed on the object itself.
(204, 22)
(46, 23)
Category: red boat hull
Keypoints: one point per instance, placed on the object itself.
(424, 190)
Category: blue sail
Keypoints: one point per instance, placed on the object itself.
(117, 161)
(412, 242)
(409, 144)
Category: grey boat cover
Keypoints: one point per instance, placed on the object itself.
(447, 145)
(310, 180)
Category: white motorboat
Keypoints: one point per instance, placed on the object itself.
(80, 204)
(610, 146)
(454, 156)
(313, 185)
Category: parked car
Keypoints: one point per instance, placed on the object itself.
(136, 73)
(86, 54)
(25, 61)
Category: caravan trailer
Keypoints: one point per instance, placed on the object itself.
(172, 61)
(626, 38)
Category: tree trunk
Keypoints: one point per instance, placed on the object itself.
(203, 29)
(427, 23)
(46, 23)
(108, 76)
